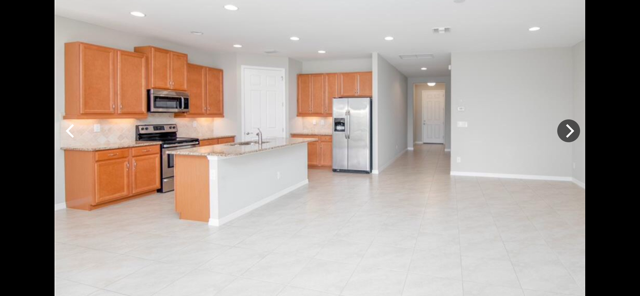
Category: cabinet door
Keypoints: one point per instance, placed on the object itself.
(97, 81)
(145, 173)
(131, 92)
(312, 151)
(365, 84)
(326, 150)
(178, 71)
(112, 179)
(160, 68)
(196, 88)
(215, 95)
(348, 84)
(331, 86)
(304, 94)
(317, 93)
(226, 140)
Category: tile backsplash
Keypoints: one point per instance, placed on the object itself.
(123, 130)
(305, 125)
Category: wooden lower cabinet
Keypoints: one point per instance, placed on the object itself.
(97, 178)
(320, 153)
(217, 141)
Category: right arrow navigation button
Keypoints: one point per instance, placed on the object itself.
(568, 130)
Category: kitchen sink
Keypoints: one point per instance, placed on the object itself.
(247, 143)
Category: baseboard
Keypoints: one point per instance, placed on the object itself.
(579, 183)
(381, 168)
(60, 206)
(410, 148)
(512, 176)
(417, 142)
(447, 150)
(375, 172)
(251, 207)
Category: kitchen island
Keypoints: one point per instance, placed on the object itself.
(219, 183)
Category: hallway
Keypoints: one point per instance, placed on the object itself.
(412, 230)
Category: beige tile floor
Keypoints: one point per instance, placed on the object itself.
(412, 230)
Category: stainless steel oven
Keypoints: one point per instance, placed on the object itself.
(167, 101)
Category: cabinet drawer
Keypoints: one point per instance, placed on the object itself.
(112, 154)
(227, 140)
(209, 142)
(145, 150)
(325, 138)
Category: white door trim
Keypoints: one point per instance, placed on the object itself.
(242, 96)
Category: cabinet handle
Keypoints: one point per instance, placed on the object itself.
(120, 106)
(113, 106)
(135, 164)
(127, 165)
(145, 150)
(113, 154)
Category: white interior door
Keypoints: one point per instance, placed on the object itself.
(263, 102)
(433, 116)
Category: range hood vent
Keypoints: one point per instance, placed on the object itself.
(416, 56)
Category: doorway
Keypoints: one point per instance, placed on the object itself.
(433, 116)
(263, 104)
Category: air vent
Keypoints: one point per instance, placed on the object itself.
(441, 30)
(416, 56)
(270, 51)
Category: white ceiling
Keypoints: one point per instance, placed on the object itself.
(345, 28)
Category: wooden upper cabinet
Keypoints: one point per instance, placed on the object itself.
(131, 90)
(196, 76)
(304, 94)
(111, 179)
(348, 84)
(332, 89)
(215, 93)
(178, 71)
(145, 174)
(167, 69)
(102, 82)
(317, 94)
(365, 84)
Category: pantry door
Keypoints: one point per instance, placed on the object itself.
(433, 116)
(263, 102)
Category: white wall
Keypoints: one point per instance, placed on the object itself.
(412, 108)
(389, 113)
(335, 66)
(579, 94)
(514, 102)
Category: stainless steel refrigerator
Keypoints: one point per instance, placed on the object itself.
(352, 135)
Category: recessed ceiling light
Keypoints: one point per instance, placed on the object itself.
(388, 38)
(138, 14)
(294, 38)
(458, 1)
(321, 51)
(237, 45)
(533, 29)
(423, 68)
(196, 33)
(431, 84)
(231, 7)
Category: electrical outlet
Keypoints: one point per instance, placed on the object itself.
(195, 124)
(462, 124)
(278, 175)
(322, 122)
(458, 159)
(96, 128)
(314, 122)
(460, 109)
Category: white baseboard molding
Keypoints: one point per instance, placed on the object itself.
(418, 142)
(447, 150)
(410, 148)
(578, 182)
(251, 207)
(60, 206)
(512, 176)
(381, 168)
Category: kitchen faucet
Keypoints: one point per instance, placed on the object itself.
(259, 134)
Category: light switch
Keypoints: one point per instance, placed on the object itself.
(460, 109)
(194, 124)
(462, 124)
(314, 122)
(321, 121)
(96, 128)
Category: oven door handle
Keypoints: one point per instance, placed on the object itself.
(182, 144)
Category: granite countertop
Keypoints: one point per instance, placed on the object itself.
(226, 150)
(312, 133)
(109, 146)
(215, 137)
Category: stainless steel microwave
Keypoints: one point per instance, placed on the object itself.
(168, 101)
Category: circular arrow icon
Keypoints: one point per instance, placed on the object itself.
(568, 130)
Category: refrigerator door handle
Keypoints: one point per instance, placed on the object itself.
(348, 127)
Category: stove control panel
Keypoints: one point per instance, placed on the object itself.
(156, 128)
